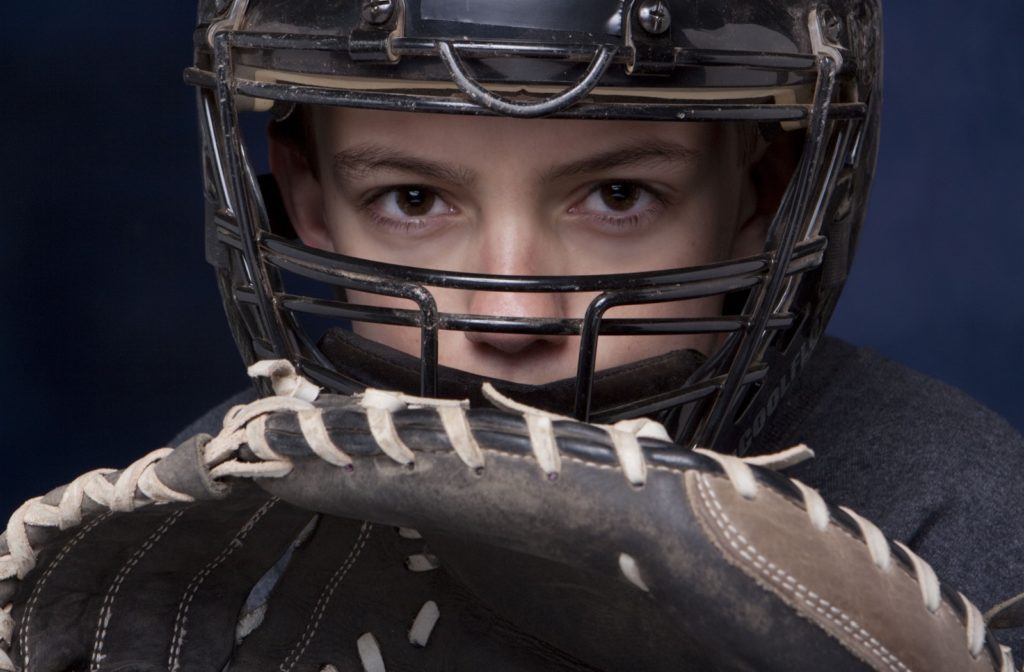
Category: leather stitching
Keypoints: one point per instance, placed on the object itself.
(178, 639)
(788, 583)
(325, 597)
(107, 610)
(42, 582)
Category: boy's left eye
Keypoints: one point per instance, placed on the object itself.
(413, 201)
(617, 198)
(616, 202)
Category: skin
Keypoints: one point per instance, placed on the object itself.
(525, 197)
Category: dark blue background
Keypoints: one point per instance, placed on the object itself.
(112, 334)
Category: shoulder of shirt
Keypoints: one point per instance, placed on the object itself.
(852, 395)
(894, 443)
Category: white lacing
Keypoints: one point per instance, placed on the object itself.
(630, 570)
(139, 485)
(422, 562)
(931, 593)
(878, 545)
(625, 436)
(1007, 662)
(739, 473)
(311, 423)
(423, 624)
(380, 408)
(241, 424)
(540, 428)
(284, 378)
(975, 627)
(369, 653)
(817, 509)
(783, 459)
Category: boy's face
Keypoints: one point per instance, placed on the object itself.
(525, 197)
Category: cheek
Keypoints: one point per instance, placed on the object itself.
(715, 215)
(698, 232)
(343, 227)
(617, 350)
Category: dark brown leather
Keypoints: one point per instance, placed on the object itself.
(530, 572)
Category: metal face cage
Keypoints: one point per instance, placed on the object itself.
(801, 68)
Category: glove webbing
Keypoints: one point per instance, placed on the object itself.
(139, 485)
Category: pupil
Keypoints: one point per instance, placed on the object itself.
(620, 195)
(415, 201)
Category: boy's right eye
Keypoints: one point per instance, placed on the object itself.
(413, 201)
(407, 208)
(620, 196)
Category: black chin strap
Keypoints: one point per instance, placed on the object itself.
(379, 366)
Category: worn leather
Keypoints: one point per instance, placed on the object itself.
(826, 576)
(529, 575)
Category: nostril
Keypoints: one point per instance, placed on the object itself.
(530, 359)
(508, 308)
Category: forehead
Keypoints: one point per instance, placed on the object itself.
(492, 138)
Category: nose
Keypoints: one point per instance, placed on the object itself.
(519, 251)
(515, 304)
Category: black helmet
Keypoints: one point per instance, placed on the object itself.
(799, 72)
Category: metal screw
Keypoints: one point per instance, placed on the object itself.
(654, 16)
(831, 24)
(377, 11)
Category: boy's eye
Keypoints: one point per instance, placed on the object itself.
(408, 208)
(413, 201)
(619, 206)
(615, 199)
(619, 196)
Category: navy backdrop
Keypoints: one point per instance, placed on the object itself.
(112, 334)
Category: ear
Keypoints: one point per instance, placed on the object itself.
(770, 171)
(300, 191)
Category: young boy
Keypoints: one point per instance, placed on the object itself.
(667, 240)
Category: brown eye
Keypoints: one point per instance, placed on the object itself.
(415, 201)
(620, 196)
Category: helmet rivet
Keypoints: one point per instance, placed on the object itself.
(654, 16)
(377, 11)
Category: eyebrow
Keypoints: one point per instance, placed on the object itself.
(360, 160)
(650, 152)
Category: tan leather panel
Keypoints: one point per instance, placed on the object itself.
(830, 578)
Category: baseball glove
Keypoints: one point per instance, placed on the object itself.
(385, 532)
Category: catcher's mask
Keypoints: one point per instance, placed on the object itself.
(795, 70)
